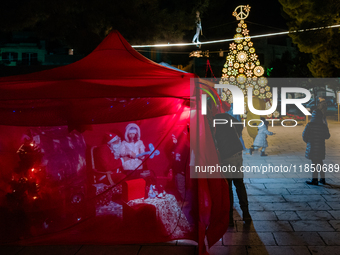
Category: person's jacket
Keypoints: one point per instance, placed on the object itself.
(227, 137)
(314, 135)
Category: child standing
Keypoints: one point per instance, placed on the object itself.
(261, 138)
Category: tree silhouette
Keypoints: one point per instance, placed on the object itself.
(322, 44)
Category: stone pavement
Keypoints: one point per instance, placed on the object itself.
(289, 216)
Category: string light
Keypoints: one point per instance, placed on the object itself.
(232, 39)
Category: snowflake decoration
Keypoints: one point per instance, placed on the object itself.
(253, 57)
(230, 58)
(247, 8)
(249, 73)
(276, 114)
(250, 65)
(242, 57)
(234, 72)
(263, 80)
(245, 32)
(241, 78)
(232, 46)
(258, 71)
(238, 38)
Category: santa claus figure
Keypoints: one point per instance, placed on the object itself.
(131, 147)
(107, 157)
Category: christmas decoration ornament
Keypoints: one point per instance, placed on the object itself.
(244, 69)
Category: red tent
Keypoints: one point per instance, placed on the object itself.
(63, 113)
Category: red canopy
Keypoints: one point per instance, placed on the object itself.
(86, 91)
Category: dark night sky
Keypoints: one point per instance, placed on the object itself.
(264, 17)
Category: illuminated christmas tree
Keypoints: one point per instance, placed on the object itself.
(27, 177)
(242, 67)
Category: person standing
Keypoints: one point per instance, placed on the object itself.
(230, 150)
(315, 134)
(198, 29)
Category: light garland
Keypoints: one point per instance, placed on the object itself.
(232, 39)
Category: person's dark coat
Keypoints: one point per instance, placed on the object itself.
(227, 137)
(314, 135)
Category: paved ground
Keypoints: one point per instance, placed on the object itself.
(289, 216)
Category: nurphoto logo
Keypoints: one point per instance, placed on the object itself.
(238, 104)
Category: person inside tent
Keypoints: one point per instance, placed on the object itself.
(131, 147)
(107, 157)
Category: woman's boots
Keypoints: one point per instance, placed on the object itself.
(314, 181)
(322, 181)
